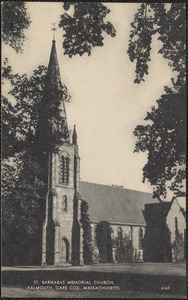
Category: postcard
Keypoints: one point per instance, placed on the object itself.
(93, 150)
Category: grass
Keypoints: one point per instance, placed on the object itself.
(146, 280)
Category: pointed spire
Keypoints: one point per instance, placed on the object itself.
(54, 81)
(74, 136)
(53, 72)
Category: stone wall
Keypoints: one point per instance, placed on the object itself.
(177, 225)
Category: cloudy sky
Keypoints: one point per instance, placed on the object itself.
(106, 105)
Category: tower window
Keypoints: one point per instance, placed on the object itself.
(140, 238)
(64, 203)
(64, 170)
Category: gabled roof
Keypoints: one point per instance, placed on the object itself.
(114, 204)
(157, 213)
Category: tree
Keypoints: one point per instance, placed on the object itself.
(25, 173)
(87, 234)
(24, 181)
(84, 30)
(20, 116)
(15, 20)
(23, 207)
(164, 135)
(157, 243)
(104, 241)
(37, 104)
(167, 22)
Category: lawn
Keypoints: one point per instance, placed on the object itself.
(141, 280)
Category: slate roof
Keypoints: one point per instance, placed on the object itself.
(114, 204)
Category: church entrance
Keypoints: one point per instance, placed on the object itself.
(64, 256)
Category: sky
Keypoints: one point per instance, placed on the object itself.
(106, 105)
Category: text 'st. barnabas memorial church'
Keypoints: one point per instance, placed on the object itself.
(140, 227)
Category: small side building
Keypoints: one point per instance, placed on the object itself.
(165, 232)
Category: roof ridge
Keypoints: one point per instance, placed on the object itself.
(114, 186)
(114, 204)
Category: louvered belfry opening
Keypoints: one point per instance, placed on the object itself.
(64, 170)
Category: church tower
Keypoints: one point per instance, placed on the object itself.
(62, 231)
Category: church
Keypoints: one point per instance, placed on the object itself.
(134, 217)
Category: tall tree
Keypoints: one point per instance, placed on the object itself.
(165, 138)
(87, 234)
(84, 29)
(164, 135)
(23, 207)
(167, 22)
(25, 163)
(15, 20)
(104, 241)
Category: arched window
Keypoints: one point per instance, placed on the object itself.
(64, 169)
(65, 203)
(140, 238)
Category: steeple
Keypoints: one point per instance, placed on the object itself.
(62, 231)
(53, 72)
(54, 82)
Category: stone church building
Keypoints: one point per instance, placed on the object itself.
(130, 213)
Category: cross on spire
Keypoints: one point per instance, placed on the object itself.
(54, 30)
